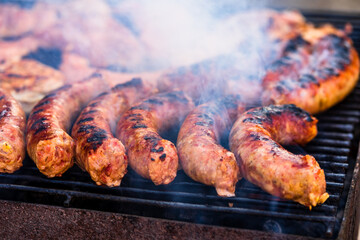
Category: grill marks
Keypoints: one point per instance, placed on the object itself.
(206, 120)
(135, 82)
(294, 44)
(85, 129)
(97, 137)
(265, 114)
(317, 71)
(137, 119)
(153, 139)
(6, 107)
(149, 154)
(86, 120)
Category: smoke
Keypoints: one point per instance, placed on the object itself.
(177, 33)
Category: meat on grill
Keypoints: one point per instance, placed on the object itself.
(12, 131)
(255, 140)
(149, 154)
(200, 153)
(319, 68)
(48, 141)
(29, 81)
(12, 51)
(97, 150)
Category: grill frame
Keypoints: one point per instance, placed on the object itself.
(70, 198)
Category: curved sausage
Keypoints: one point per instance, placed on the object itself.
(97, 150)
(149, 154)
(48, 141)
(255, 139)
(201, 155)
(12, 129)
(318, 69)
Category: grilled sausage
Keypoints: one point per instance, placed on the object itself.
(255, 139)
(201, 156)
(318, 69)
(149, 154)
(97, 150)
(48, 141)
(12, 129)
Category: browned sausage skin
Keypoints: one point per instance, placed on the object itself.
(255, 138)
(201, 155)
(12, 129)
(97, 150)
(48, 141)
(149, 154)
(318, 69)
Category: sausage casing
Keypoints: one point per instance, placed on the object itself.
(201, 155)
(97, 150)
(48, 141)
(318, 69)
(149, 154)
(12, 129)
(255, 139)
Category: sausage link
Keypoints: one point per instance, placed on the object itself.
(149, 154)
(12, 129)
(255, 139)
(48, 141)
(97, 150)
(318, 69)
(201, 155)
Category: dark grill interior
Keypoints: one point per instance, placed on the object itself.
(335, 148)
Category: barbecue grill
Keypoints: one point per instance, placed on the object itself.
(187, 209)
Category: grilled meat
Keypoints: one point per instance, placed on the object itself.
(98, 37)
(48, 141)
(29, 81)
(97, 150)
(12, 129)
(255, 140)
(319, 68)
(149, 154)
(201, 156)
(12, 51)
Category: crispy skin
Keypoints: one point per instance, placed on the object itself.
(29, 81)
(149, 154)
(201, 155)
(255, 139)
(97, 150)
(12, 129)
(48, 141)
(318, 69)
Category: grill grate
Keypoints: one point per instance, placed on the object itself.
(335, 148)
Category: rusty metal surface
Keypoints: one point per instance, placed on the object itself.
(351, 219)
(32, 221)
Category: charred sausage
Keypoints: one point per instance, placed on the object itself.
(149, 154)
(255, 140)
(48, 141)
(319, 68)
(201, 155)
(97, 150)
(12, 129)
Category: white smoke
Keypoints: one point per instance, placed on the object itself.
(181, 32)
